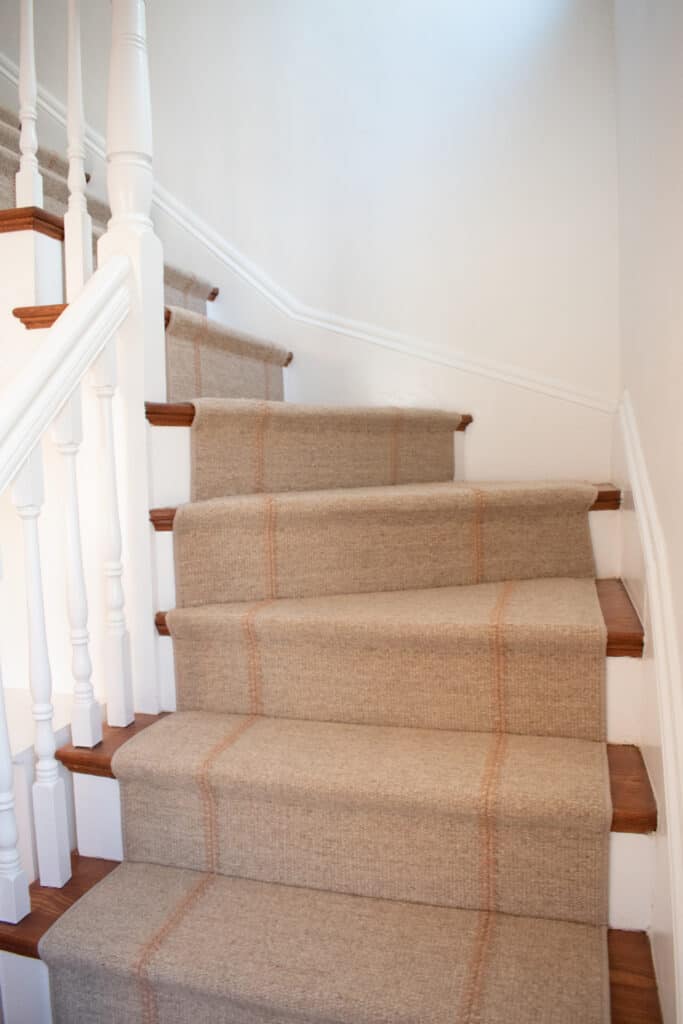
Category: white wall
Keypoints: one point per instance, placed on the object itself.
(649, 43)
(395, 180)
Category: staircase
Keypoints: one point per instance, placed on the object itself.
(386, 776)
(386, 792)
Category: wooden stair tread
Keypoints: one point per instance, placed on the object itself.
(624, 630)
(32, 218)
(625, 634)
(633, 985)
(97, 761)
(634, 807)
(38, 317)
(181, 414)
(48, 904)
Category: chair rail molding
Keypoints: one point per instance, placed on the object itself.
(292, 308)
(667, 666)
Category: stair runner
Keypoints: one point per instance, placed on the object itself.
(180, 287)
(384, 796)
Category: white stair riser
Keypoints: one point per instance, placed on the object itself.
(631, 857)
(24, 990)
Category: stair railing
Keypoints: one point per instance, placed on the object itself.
(111, 333)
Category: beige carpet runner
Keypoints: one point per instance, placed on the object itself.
(256, 447)
(384, 797)
(183, 947)
(205, 358)
(424, 658)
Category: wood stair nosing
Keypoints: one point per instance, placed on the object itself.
(181, 414)
(38, 317)
(32, 218)
(633, 985)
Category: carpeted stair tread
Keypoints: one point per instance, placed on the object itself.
(245, 447)
(207, 359)
(424, 658)
(517, 824)
(404, 537)
(271, 954)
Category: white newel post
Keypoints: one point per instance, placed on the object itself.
(15, 902)
(119, 686)
(29, 182)
(77, 222)
(141, 344)
(49, 795)
(86, 716)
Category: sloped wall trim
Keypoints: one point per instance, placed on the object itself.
(291, 307)
(667, 665)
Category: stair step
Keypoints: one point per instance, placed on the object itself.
(421, 658)
(632, 979)
(625, 634)
(634, 809)
(405, 537)
(274, 952)
(207, 358)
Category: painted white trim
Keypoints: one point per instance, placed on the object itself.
(667, 667)
(294, 309)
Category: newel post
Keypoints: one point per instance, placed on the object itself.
(141, 354)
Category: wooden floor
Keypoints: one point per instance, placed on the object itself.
(632, 979)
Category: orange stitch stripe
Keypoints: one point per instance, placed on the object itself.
(206, 794)
(480, 500)
(197, 359)
(475, 969)
(394, 441)
(254, 668)
(498, 655)
(259, 447)
(270, 546)
(149, 1007)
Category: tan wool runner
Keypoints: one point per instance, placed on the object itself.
(245, 447)
(182, 946)
(434, 659)
(363, 540)
(518, 824)
(204, 357)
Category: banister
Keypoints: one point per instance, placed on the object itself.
(71, 346)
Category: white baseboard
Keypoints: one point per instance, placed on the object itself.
(667, 664)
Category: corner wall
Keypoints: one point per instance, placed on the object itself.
(649, 44)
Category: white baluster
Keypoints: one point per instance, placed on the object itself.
(119, 686)
(86, 716)
(77, 222)
(29, 182)
(14, 897)
(141, 351)
(49, 795)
